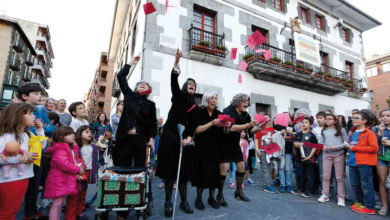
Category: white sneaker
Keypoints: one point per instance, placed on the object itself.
(341, 202)
(323, 198)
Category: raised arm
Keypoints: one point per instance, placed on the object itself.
(124, 86)
(175, 88)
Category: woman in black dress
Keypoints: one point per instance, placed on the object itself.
(183, 105)
(205, 173)
(230, 150)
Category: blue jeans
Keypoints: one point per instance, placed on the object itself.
(285, 171)
(361, 181)
(298, 170)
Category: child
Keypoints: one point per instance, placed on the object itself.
(14, 118)
(264, 138)
(89, 154)
(285, 167)
(32, 93)
(362, 157)
(61, 180)
(335, 139)
(103, 143)
(317, 131)
(307, 160)
(244, 149)
(77, 110)
(383, 169)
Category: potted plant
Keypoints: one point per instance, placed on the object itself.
(328, 76)
(298, 67)
(249, 57)
(363, 90)
(349, 83)
(275, 60)
(343, 81)
(336, 79)
(320, 74)
(205, 45)
(219, 48)
(261, 57)
(308, 70)
(287, 64)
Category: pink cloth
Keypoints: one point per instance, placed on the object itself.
(55, 210)
(338, 162)
(61, 180)
(244, 148)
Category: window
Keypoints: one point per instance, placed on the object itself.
(278, 4)
(324, 61)
(345, 34)
(263, 109)
(10, 75)
(320, 22)
(25, 72)
(204, 20)
(17, 79)
(386, 67)
(305, 15)
(349, 68)
(373, 71)
(13, 57)
(16, 38)
(263, 31)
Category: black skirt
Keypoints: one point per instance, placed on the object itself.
(168, 157)
(230, 153)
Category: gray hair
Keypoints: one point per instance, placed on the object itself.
(205, 99)
(237, 99)
(304, 110)
(49, 99)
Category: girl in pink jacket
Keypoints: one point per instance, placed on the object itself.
(61, 180)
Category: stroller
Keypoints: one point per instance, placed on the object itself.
(124, 189)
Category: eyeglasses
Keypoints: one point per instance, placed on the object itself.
(356, 118)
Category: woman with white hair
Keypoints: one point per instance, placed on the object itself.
(230, 147)
(208, 132)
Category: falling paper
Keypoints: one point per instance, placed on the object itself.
(233, 53)
(167, 5)
(250, 42)
(260, 51)
(260, 118)
(149, 8)
(243, 66)
(271, 148)
(240, 78)
(258, 38)
(267, 54)
(282, 119)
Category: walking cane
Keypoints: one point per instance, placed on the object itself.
(180, 127)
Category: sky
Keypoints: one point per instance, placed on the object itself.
(81, 29)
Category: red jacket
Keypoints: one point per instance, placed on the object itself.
(366, 149)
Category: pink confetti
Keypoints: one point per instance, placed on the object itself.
(149, 8)
(260, 51)
(267, 54)
(239, 78)
(167, 5)
(243, 66)
(233, 53)
(250, 42)
(258, 38)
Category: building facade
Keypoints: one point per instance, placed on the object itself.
(378, 73)
(16, 59)
(201, 28)
(98, 98)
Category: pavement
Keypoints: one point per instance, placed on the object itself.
(263, 205)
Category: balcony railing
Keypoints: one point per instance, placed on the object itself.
(286, 56)
(286, 69)
(18, 46)
(16, 64)
(207, 42)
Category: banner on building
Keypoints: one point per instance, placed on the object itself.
(307, 49)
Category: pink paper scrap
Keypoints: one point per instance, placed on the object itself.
(243, 66)
(233, 53)
(267, 54)
(149, 8)
(239, 78)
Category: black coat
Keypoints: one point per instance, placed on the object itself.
(205, 172)
(169, 149)
(138, 112)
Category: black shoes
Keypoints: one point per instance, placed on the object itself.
(199, 204)
(213, 203)
(186, 207)
(221, 201)
(168, 209)
(241, 196)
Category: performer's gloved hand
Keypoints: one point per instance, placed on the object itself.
(178, 55)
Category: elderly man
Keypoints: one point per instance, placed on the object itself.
(65, 118)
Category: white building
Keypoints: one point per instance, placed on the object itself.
(335, 24)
